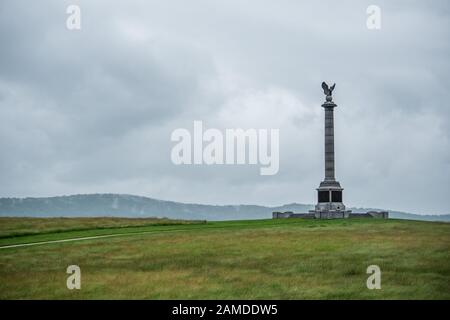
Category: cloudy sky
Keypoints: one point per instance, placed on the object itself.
(92, 110)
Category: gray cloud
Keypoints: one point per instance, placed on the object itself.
(92, 110)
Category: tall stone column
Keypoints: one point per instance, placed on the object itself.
(329, 141)
(329, 194)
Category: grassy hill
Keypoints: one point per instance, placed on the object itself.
(261, 259)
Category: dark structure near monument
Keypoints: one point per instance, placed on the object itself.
(329, 193)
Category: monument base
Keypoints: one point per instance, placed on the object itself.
(331, 215)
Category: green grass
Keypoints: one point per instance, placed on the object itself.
(15, 226)
(262, 259)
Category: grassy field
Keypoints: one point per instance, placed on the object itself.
(261, 259)
(12, 226)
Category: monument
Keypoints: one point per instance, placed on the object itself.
(329, 193)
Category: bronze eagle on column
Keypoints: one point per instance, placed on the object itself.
(326, 90)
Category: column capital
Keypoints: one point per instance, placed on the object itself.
(329, 104)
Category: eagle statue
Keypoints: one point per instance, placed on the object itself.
(327, 90)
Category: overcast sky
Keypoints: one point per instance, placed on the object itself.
(92, 110)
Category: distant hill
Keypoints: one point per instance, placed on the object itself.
(120, 205)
